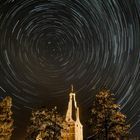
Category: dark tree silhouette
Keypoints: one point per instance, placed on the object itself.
(107, 122)
(6, 121)
(45, 125)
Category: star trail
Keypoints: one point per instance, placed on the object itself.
(47, 45)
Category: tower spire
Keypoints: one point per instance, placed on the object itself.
(74, 128)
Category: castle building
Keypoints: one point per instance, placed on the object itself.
(74, 128)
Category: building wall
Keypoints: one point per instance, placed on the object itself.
(73, 129)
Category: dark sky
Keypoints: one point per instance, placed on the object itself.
(47, 45)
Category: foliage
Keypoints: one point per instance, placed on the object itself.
(107, 122)
(6, 121)
(45, 125)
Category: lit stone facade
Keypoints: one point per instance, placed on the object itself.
(73, 126)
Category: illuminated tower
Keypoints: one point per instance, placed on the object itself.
(74, 128)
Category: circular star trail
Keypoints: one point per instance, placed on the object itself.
(47, 45)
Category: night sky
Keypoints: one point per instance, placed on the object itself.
(47, 45)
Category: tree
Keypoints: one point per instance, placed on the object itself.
(107, 122)
(45, 124)
(6, 121)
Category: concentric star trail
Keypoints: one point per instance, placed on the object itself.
(46, 45)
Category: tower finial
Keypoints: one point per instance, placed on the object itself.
(72, 88)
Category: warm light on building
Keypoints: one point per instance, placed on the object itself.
(74, 128)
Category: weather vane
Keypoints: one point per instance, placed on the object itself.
(72, 88)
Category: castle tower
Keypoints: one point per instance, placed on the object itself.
(74, 128)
